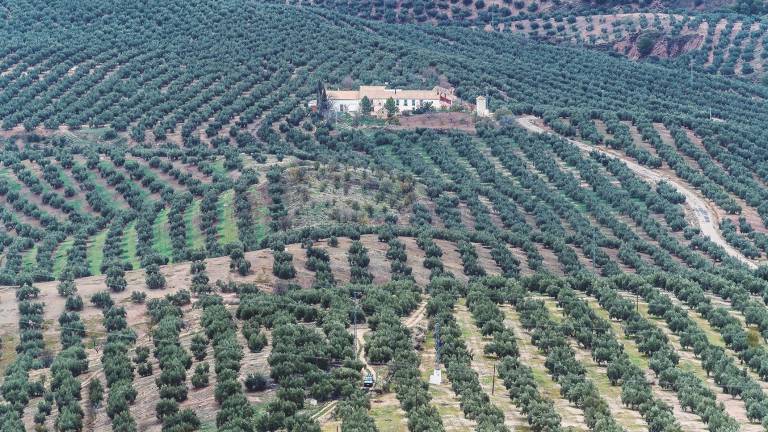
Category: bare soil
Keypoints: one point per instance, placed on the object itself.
(438, 120)
(452, 259)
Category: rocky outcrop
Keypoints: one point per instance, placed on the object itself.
(664, 46)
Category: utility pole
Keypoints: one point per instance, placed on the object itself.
(493, 381)
(437, 345)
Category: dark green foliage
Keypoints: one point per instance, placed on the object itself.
(255, 382)
(153, 278)
(95, 393)
(138, 297)
(200, 377)
(237, 260)
(282, 266)
(358, 263)
(198, 346)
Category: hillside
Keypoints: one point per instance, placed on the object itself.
(709, 36)
(186, 246)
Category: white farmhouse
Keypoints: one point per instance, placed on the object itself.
(407, 100)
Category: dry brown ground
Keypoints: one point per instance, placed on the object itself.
(377, 252)
(486, 261)
(550, 261)
(415, 259)
(466, 216)
(304, 277)
(438, 120)
(190, 169)
(451, 259)
(637, 138)
(719, 27)
(603, 129)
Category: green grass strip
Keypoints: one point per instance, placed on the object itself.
(259, 213)
(95, 252)
(218, 167)
(5, 173)
(162, 235)
(60, 256)
(192, 220)
(227, 224)
(130, 244)
(28, 260)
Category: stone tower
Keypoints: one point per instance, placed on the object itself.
(481, 108)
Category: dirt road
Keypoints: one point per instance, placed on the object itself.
(706, 217)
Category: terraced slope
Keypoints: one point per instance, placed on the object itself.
(185, 246)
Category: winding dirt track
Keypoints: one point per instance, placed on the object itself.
(705, 216)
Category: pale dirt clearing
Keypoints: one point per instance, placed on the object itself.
(452, 259)
(486, 261)
(415, 260)
(377, 252)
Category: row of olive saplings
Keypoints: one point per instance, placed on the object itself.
(737, 293)
(447, 207)
(621, 201)
(732, 331)
(535, 196)
(148, 212)
(713, 180)
(584, 325)
(550, 337)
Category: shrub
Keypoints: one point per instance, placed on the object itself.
(74, 303)
(198, 346)
(102, 300)
(166, 408)
(200, 377)
(67, 288)
(138, 297)
(153, 278)
(95, 393)
(255, 382)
